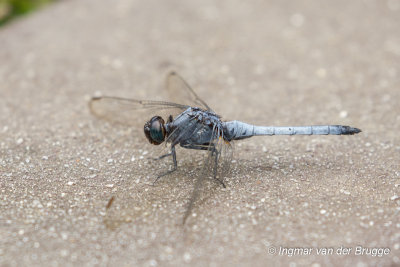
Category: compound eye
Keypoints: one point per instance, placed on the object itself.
(154, 130)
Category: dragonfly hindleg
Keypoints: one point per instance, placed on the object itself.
(214, 154)
(214, 150)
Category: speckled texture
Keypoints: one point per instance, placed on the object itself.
(262, 62)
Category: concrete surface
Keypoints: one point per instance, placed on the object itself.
(263, 62)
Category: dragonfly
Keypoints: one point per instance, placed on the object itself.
(192, 124)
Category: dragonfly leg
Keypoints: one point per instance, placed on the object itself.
(216, 166)
(173, 153)
(163, 156)
(213, 150)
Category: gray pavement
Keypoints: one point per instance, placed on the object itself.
(262, 62)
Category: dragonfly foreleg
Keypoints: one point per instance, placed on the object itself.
(174, 168)
(163, 156)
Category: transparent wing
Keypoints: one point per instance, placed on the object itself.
(225, 154)
(216, 166)
(130, 111)
(180, 92)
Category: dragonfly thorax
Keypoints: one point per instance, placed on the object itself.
(154, 130)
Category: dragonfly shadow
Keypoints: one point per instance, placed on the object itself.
(144, 208)
(166, 200)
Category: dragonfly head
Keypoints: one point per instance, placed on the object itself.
(155, 131)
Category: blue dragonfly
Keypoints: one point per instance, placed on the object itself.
(195, 126)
